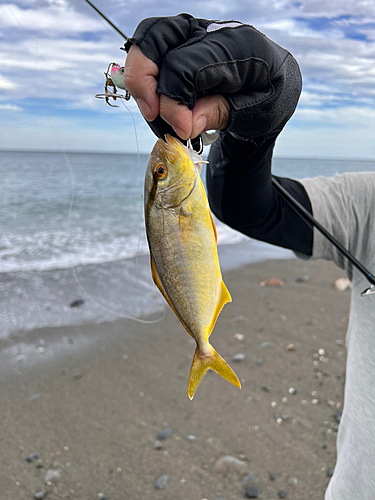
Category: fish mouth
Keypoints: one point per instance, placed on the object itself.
(171, 148)
(170, 151)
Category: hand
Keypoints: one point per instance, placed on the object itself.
(140, 78)
(199, 74)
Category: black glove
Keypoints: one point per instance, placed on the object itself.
(199, 57)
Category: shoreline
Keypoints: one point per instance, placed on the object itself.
(43, 298)
(94, 414)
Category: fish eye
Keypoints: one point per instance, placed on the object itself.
(160, 171)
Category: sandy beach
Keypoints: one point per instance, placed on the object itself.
(93, 416)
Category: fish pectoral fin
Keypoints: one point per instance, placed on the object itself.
(213, 361)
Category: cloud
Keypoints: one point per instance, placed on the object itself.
(6, 84)
(56, 18)
(10, 107)
(53, 54)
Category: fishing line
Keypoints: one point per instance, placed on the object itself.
(82, 288)
(52, 128)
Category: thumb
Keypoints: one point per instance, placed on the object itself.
(210, 113)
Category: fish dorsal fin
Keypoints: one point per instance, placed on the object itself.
(159, 284)
(214, 227)
(224, 298)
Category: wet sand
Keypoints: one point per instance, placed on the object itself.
(94, 414)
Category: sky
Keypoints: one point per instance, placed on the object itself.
(53, 54)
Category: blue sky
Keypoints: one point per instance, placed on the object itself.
(53, 54)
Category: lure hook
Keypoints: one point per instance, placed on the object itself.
(114, 72)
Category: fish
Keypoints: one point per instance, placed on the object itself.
(182, 240)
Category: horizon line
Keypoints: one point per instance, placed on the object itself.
(63, 151)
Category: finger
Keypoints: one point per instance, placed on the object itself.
(210, 113)
(177, 115)
(140, 79)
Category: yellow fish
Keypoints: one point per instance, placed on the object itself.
(183, 246)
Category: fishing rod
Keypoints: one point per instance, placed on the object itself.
(106, 19)
(296, 206)
(308, 218)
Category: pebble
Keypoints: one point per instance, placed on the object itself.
(339, 342)
(191, 438)
(77, 303)
(34, 396)
(264, 344)
(239, 357)
(337, 416)
(266, 389)
(227, 463)
(342, 284)
(32, 457)
(259, 362)
(161, 482)
(40, 494)
(158, 445)
(282, 494)
(302, 279)
(253, 491)
(102, 496)
(272, 477)
(52, 475)
(272, 282)
(239, 336)
(290, 347)
(292, 390)
(330, 472)
(41, 350)
(240, 318)
(293, 481)
(246, 479)
(164, 434)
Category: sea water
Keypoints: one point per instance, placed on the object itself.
(72, 229)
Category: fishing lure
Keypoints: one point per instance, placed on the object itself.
(114, 77)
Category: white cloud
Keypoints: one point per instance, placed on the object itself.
(6, 84)
(57, 18)
(10, 107)
(60, 53)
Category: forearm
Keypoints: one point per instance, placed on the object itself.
(241, 194)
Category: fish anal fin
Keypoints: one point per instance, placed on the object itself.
(212, 361)
(159, 284)
(225, 297)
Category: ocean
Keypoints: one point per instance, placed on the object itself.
(72, 238)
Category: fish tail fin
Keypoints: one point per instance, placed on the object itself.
(212, 361)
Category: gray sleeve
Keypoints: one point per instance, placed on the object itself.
(345, 206)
